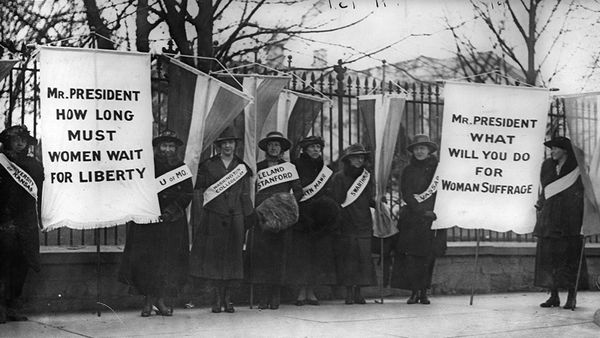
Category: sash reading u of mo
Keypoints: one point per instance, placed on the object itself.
(274, 175)
(356, 188)
(173, 177)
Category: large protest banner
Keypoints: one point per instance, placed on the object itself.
(96, 129)
(490, 156)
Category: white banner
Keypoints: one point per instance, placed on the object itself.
(490, 156)
(96, 129)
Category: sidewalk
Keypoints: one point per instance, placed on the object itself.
(493, 315)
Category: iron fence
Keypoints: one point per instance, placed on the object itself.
(339, 126)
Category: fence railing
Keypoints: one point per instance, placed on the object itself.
(340, 126)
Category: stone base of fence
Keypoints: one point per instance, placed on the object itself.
(68, 280)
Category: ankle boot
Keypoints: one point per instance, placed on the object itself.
(216, 308)
(571, 301)
(358, 298)
(228, 304)
(423, 297)
(275, 298)
(349, 295)
(414, 297)
(554, 300)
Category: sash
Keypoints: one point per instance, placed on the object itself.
(356, 188)
(224, 183)
(274, 175)
(173, 177)
(561, 183)
(431, 189)
(313, 188)
(19, 175)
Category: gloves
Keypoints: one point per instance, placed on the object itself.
(171, 213)
(251, 220)
(430, 214)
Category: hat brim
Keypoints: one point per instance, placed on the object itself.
(284, 142)
(5, 138)
(432, 146)
(556, 143)
(304, 144)
(158, 140)
(219, 140)
(359, 153)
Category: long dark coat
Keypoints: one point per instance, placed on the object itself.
(418, 245)
(156, 256)
(218, 242)
(268, 250)
(558, 230)
(353, 248)
(311, 259)
(19, 229)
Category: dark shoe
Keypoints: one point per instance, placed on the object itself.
(3, 318)
(274, 306)
(312, 302)
(263, 305)
(146, 311)
(216, 309)
(358, 298)
(216, 293)
(424, 300)
(275, 298)
(229, 308)
(571, 301)
(165, 312)
(414, 298)
(551, 302)
(349, 299)
(300, 303)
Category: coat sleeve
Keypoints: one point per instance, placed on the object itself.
(408, 189)
(176, 208)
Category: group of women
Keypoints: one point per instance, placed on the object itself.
(312, 226)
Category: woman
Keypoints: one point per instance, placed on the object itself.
(558, 228)
(352, 188)
(418, 245)
(19, 226)
(311, 258)
(155, 259)
(216, 258)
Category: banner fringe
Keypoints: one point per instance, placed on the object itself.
(105, 224)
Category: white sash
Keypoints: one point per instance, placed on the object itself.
(356, 188)
(224, 183)
(19, 175)
(274, 175)
(431, 189)
(561, 183)
(313, 188)
(173, 177)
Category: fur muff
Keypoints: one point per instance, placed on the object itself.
(277, 212)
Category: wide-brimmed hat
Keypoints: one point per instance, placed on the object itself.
(167, 135)
(422, 139)
(19, 130)
(354, 149)
(310, 140)
(560, 142)
(226, 135)
(275, 136)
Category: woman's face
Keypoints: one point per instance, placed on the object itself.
(421, 152)
(167, 149)
(313, 150)
(356, 161)
(273, 148)
(227, 147)
(558, 153)
(18, 143)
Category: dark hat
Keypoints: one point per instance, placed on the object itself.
(354, 149)
(167, 135)
(307, 141)
(422, 139)
(560, 142)
(277, 137)
(227, 134)
(19, 130)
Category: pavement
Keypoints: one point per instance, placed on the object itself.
(491, 315)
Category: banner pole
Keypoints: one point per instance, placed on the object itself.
(97, 236)
(579, 270)
(382, 269)
(251, 248)
(474, 280)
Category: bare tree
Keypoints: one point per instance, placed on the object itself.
(515, 29)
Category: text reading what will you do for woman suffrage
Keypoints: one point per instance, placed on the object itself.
(497, 158)
(92, 136)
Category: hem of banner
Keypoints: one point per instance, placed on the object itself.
(96, 225)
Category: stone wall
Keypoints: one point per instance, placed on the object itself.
(68, 280)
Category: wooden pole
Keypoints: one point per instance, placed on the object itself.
(382, 269)
(579, 270)
(474, 280)
(97, 237)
